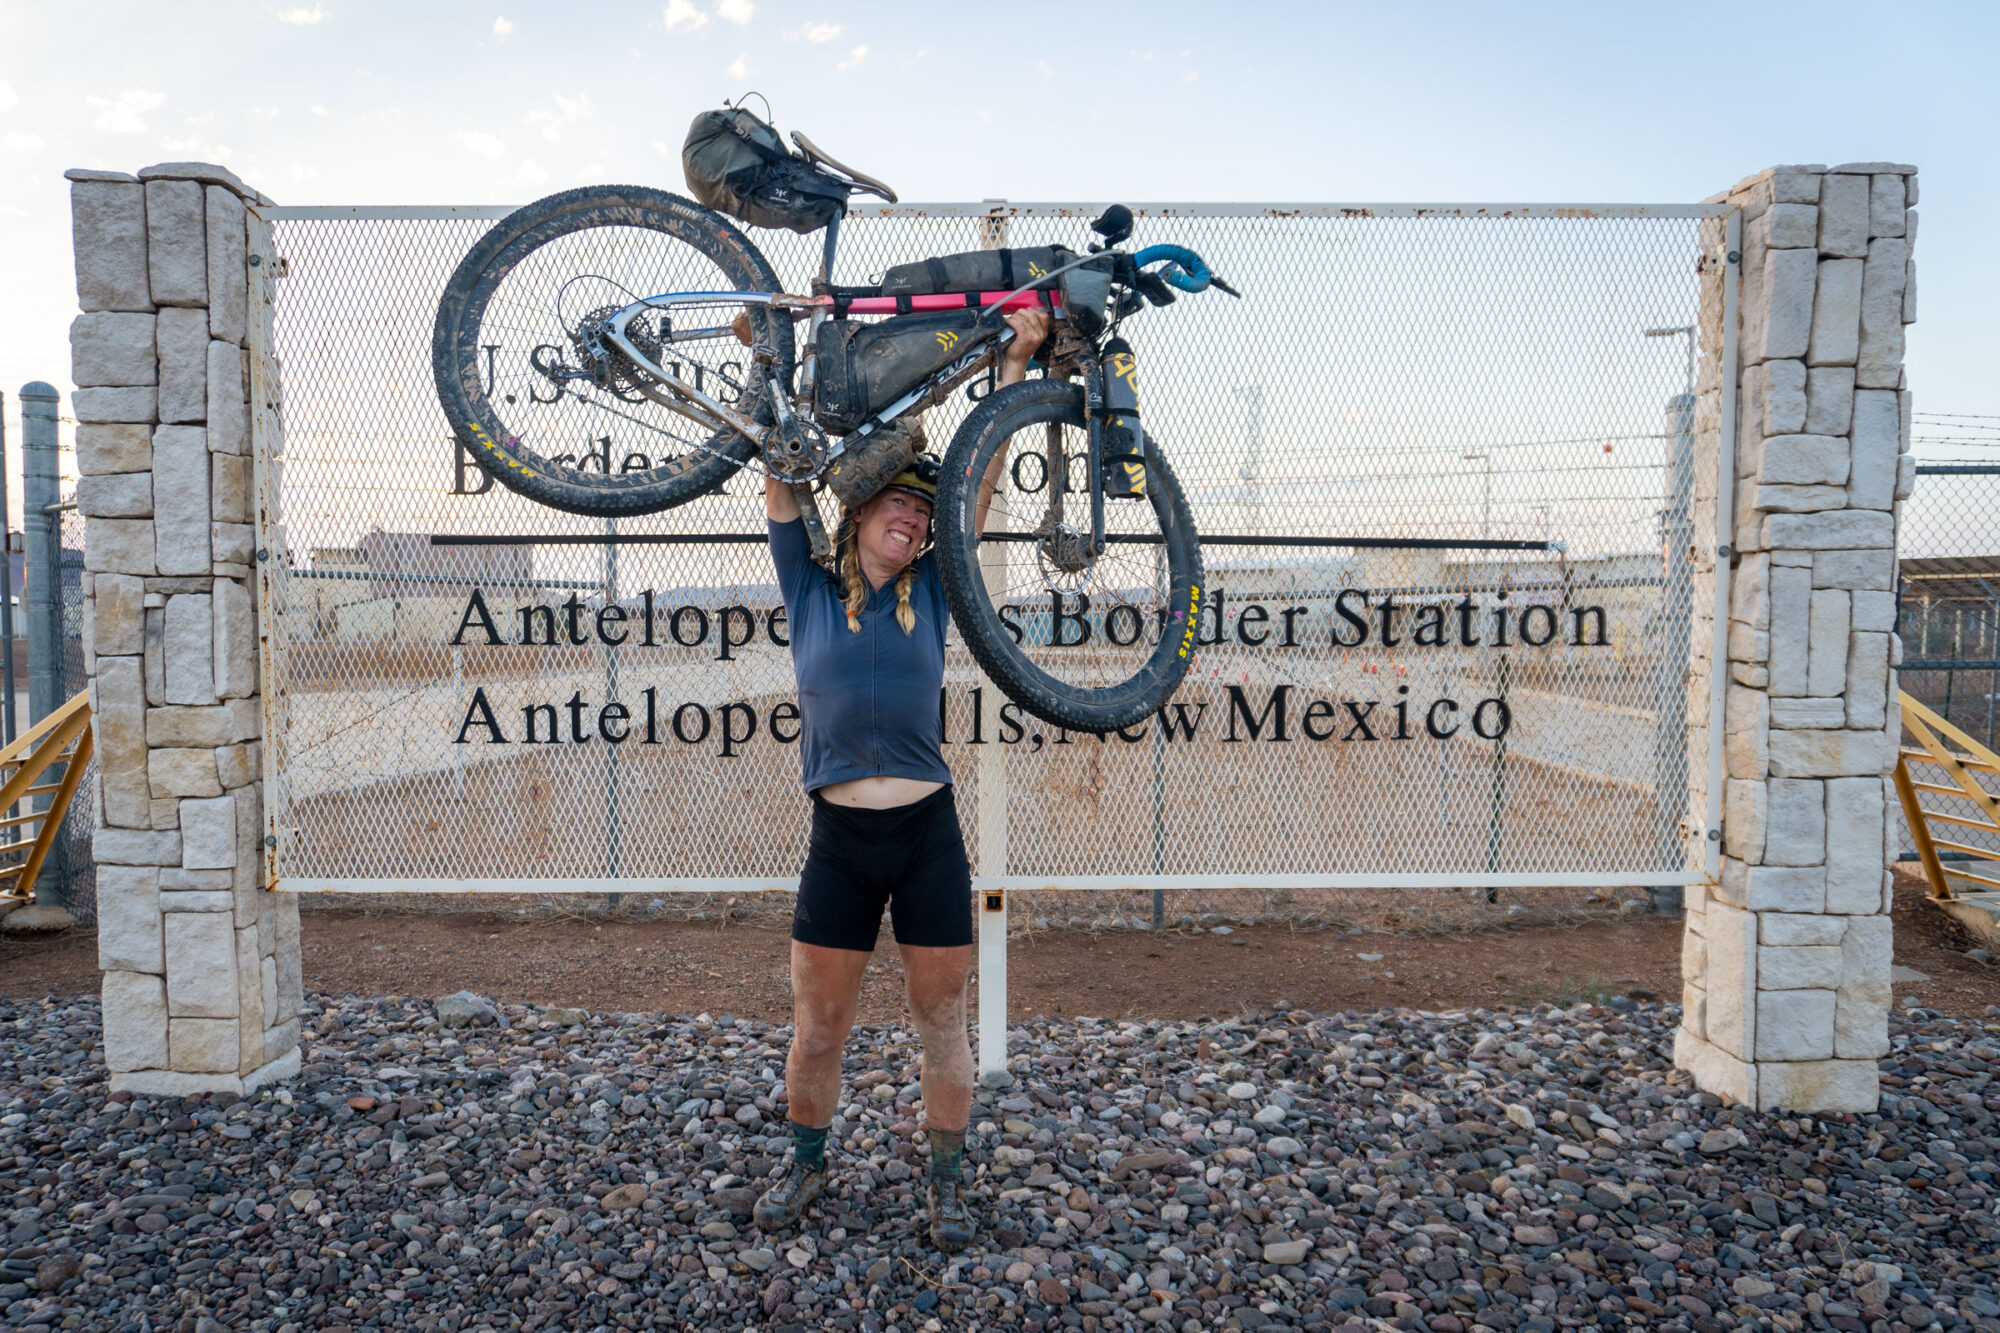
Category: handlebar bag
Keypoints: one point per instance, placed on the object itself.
(975, 271)
(862, 368)
(736, 164)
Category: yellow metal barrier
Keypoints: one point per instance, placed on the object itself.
(1963, 767)
(63, 737)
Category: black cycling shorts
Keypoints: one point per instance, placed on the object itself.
(911, 857)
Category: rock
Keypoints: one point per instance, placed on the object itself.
(1534, 1235)
(1241, 1092)
(1287, 1252)
(1717, 1141)
(758, 1260)
(1053, 1292)
(566, 1018)
(37, 919)
(1520, 1115)
(623, 1198)
(464, 1009)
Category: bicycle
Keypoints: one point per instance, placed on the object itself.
(619, 350)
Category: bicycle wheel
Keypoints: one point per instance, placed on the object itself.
(1088, 644)
(546, 406)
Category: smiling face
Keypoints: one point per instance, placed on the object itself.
(891, 530)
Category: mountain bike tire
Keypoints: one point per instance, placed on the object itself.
(456, 351)
(1124, 702)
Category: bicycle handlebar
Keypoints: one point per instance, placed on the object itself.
(1183, 267)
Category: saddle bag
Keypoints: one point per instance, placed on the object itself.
(862, 368)
(736, 164)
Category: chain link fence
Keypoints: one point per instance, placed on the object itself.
(1376, 714)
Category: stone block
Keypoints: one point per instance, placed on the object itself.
(1861, 1014)
(1746, 733)
(1748, 646)
(1799, 930)
(228, 399)
(1714, 1069)
(179, 879)
(1885, 205)
(1796, 184)
(108, 237)
(1819, 1087)
(115, 405)
(180, 499)
(208, 832)
(1783, 394)
(1786, 308)
(281, 1043)
(166, 813)
(118, 734)
(1843, 215)
(1791, 615)
(1794, 1025)
(113, 348)
(1798, 967)
(1855, 864)
(128, 919)
(1731, 980)
(1879, 354)
(114, 447)
(1808, 713)
(201, 965)
(1874, 611)
(1756, 677)
(177, 242)
(184, 725)
(1845, 530)
(135, 1021)
(1750, 591)
(1906, 477)
(182, 773)
(250, 996)
(156, 650)
(1867, 680)
(229, 489)
(1910, 294)
(1874, 571)
(250, 853)
(1836, 317)
(267, 967)
(1829, 400)
(1777, 499)
(135, 847)
(1795, 826)
(203, 1045)
(119, 546)
(1826, 650)
(197, 900)
(228, 264)
(1805, 460)
(1744, 808)
(1766, 888)
(1830, 754)
(118, 614)
(1791, 226)
(188, 649)
(235, 545)
(285, 949)
(182, 338)
(235, 647)
(236, 765)
(115, 495)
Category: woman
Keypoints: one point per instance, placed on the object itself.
(868, 648)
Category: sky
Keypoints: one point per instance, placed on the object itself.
(347, 101)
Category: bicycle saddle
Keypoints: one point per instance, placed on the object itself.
(867, 184)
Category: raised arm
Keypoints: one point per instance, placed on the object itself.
(1031, 327)
(780, 505)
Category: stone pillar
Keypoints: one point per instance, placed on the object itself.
(1786, 959)
(201, 973)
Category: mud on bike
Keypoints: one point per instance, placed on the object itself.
(619, 350)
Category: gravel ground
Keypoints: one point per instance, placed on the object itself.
(1392, 1169)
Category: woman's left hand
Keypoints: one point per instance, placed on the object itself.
(1031, 329)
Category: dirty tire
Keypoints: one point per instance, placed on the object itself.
(455, 349)
(999, 417)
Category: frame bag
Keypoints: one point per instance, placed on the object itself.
(975, 271)
(737, 164)
(862, 368)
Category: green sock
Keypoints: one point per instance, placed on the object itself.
(809, 1144)
(947, 1153)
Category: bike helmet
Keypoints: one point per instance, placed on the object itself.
(920, 478)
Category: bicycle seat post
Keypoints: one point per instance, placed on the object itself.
(832, 243)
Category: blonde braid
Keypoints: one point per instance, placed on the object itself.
(906, 615)
(850, 573)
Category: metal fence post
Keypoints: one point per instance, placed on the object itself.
(42, 533)
(990, 822)
(1670, 754)
(8, 722)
